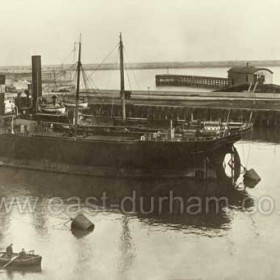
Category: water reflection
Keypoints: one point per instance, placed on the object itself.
(127, 254)
(23, 271)
(80, 233)
(173, 204)
(40, 218)
(194, 205)
(202, 182)
(259, 134)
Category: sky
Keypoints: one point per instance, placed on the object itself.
(153, 30)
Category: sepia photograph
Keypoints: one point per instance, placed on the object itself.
(140, 140)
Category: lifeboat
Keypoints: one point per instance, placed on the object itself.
(53, 109)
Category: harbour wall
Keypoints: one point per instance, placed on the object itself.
(163, 106)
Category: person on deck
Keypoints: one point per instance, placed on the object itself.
(22, 254)
(9, 251)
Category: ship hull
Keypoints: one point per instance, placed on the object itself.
(129, 158)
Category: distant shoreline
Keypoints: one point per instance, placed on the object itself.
(188, 64)
(148, 65)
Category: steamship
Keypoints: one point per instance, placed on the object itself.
(50, 142)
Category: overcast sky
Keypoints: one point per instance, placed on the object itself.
(153, 30)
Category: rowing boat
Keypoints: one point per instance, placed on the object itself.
(27, 260)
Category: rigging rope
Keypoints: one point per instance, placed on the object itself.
(88, 83)
(127, 75)
(84, 80)
(69, 66)
(136, 80)
(113, 99)
(74, 78)
(100, 64)
(251, 132)
(68, 55)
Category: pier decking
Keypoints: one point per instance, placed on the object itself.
(192, 81)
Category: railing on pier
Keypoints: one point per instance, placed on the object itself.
(192, 81)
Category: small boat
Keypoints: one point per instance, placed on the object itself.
(53, 109)
(28, 260)
(72, 104)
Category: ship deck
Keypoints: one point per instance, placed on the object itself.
(111, 137)
(59, 135)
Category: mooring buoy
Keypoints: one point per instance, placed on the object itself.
(251, 178)
(81, 222)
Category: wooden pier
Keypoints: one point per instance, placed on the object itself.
(192, 81)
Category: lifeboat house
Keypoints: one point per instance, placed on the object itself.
(249, 75)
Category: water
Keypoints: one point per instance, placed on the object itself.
(238, 239)
(145, 79)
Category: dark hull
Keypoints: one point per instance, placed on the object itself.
(108, 157)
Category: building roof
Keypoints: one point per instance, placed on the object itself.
(247, 70)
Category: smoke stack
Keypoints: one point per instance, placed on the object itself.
(2, 94)
(36, 78)
(2, 103)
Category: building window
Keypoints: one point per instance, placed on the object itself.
(232, 82)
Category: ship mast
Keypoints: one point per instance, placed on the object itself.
(78, 88)
(122, 79)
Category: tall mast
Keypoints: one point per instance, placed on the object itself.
(122, 79)
(78, 87)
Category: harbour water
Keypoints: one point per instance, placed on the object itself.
(145, 79)
(140, 235)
